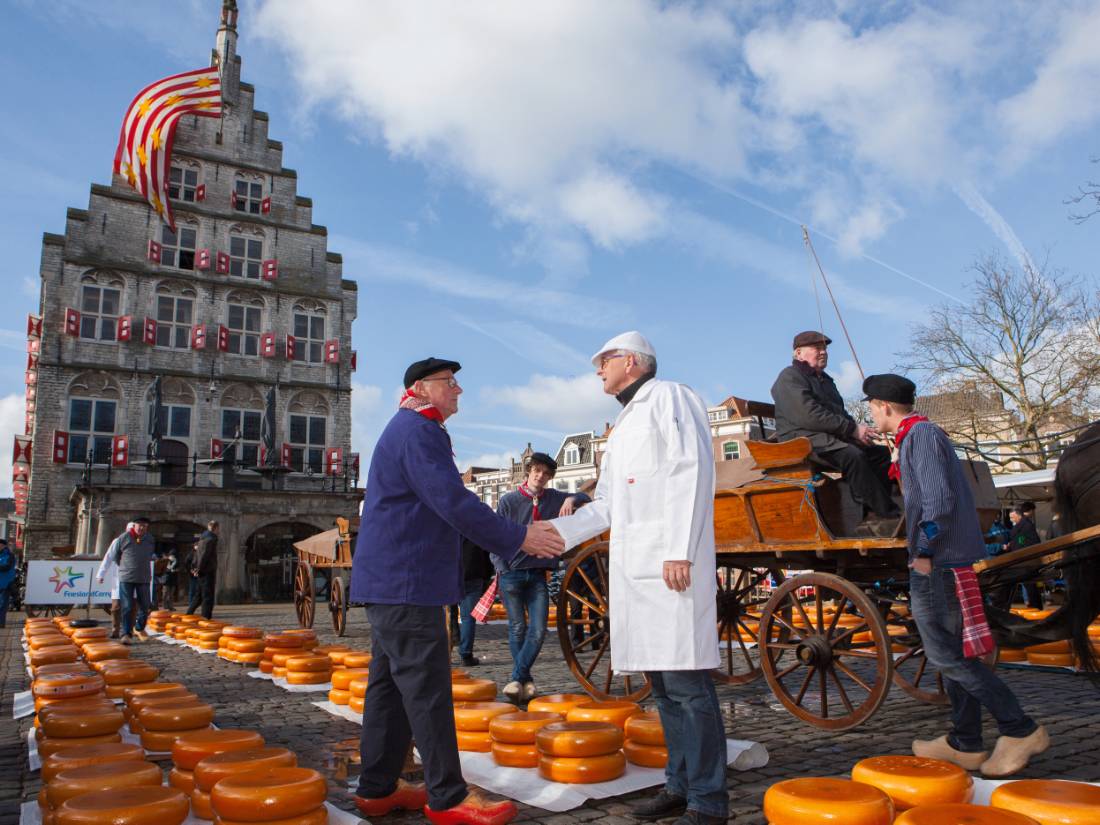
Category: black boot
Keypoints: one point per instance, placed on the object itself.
(662, 805)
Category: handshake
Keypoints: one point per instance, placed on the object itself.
(543, 541)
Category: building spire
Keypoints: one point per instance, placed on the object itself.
(225, 49)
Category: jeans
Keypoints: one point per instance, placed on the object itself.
(130, 593)
(695, 739)
(969, 683)
(467, 625)
(528, 604)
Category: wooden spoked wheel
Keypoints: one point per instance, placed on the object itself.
(47, 610)
(841, 669)
(305, 599)
(338, 604)
(912, 672)
(740, 595)
(585, 632)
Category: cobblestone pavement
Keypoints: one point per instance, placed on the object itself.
(1066, 703)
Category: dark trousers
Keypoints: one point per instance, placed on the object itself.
(969, 683)
(865, 469)
(201, 591)
(467, 627)
(5, 600)
(409, 697)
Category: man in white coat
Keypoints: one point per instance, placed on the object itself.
(656, 495)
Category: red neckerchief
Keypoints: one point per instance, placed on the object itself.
(524, 491)
(419, 405)
(906, 424)
(133, 534)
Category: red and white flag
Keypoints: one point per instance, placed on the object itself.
(145, 143)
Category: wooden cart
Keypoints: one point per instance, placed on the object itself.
(322, 572)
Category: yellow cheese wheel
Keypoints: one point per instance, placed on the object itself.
(181, 779)
(644, 729)
(62, 667)
(338, 656)
(356, 703)
(1012, 654)
(248, 658)
(135, 727)
(318, 816)
(1062, 646)
(457, 675)
(328, 650)
(356, 659)
(236, 631)
(86, 634)
(99, 653)
(270, 793)
(48, 640)
(357, 687)
(79, 756)
(613, 711)
(128, 806)
(156, 700)
(339, 697)
(914, 780)
(49, 746)
(520, 728)
(307, 678)
(55, 655)
(474, 690)
(815, 800)
(245, 645)
(208, 635)
(1050, 659)
(266, 666)
(66, 724)
(88, 704)
(476, 716)
(178, 717)
(193, 748)
(515, 755)
(40, 703)
(281, 641)
(200, 805)
(66, 685)
(162, 741)
(156, 688)
(1094, 630)
(307, 664)
(557, 702)
(582, 770)
(213, 769)
(647, 756)
(959, 814)
(577, 739)
(279, 672)
(478, 741)
(280, 659)
(207, 645)
(341, 680)
(1050, 801)
(107, 777)
(119, 691)
(188, 618)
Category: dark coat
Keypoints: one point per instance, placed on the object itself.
(808, 404)
(415, 513)
(1023, 534)
(204, 561)
(476, 566)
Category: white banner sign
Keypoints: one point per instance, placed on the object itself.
(64, 582)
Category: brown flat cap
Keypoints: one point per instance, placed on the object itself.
(805, 339)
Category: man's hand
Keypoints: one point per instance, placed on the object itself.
(543, 541)
(923, 565)
(568, 506)
(677, 575)
(865, 434)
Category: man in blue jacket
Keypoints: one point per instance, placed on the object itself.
(8, 573)
(407, 568)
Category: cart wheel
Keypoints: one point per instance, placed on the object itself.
(584, 631)
(305, 601)
(338, 604)
(847, 663)
(47, 610)
(739, 600)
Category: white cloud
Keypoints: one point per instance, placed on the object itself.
(12, 423)
(611, 209)
(369, 414)
(567, 404)
(530, 342)
(490, 460)
(996, 222)
(847, 377)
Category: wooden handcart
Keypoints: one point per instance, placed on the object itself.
(322, 572)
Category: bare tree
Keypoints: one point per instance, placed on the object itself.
(1087, 196)
(1028, 338)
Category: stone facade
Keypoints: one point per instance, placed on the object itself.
(233, 196)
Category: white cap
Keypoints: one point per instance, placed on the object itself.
(633, 341)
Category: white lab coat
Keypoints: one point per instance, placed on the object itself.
(656, 494)
(108, 571)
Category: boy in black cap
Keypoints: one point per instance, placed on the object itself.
(944, 540)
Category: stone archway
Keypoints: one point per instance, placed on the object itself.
(270, 560)
(179, 537)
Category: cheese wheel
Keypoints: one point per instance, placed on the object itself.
(54, 655)
(62, 667)
(66, 685)
(477, 741)
(119, 691)
(207, 645)
(1050, 801)
(328, 650)
(190, 618)
(213, 769)
(647, 756)
(107, 777)
(81, 723)
(99, 653)
(179, 717)
(128, 806)
(1050, 659)
(79, 756)
(577, 739)
(269, 793)
(280, 659)
(278, 672)
(86, 634)
(958, 814)
(193, 748)
(307, 664)
(281, 641)
(356, 703)
(135, 727)
(87, 704)
(582, 770)
(644, 729)
(357, 687)
(356, 659)
(157, 700)
(40, 703)
(162, 741)
(307, 678)
(476, 716)
(181, 779)
(208, 635)
(914, 780)
(613, 711)
(48, 640)
(248, 658)
(474, 690)
(341, 680)
(557, 702)
(339, 697)
(520, 728)
(515, 755)
(236, 631)
(1012, 654)
(50, 746)
(816, 800)
(337, 656)
(1062, 646)
(245, 645)
(132, 692)
(266, 666)
(200, 805)
(302, 632)
(457, 674)
(319, 816)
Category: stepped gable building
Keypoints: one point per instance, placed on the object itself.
(243, 305)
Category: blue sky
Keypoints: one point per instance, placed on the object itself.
(513, 183)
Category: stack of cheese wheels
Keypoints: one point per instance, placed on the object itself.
(308, 669)
(557, 703)
(270, 794)
(120, 674)
(914, 780)
(205, 635)
(332, 651)
(104, 651)
(308, 636)
(513, 737)
(1011, 654)
(109, 776)
(357, 690)
(949, 813)
(338, 657)
(645, 741)
(244, 645)
(1053, 654)
(580, 752)
(1050, 801)
(613, 711)
(90, 720)
(185, 623)
(341, 684)
(125, 806)
(210, 770)
(356, 659)
(473, 690)
(472, 724)
(174, 696)
(279, 644)
(49, 646)
(165, 720)
(814, 800)
(157, 619)
(189, 750)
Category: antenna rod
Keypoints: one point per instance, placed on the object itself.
(829, 289)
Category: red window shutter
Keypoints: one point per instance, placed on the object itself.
(223, 338)
(34, 346)
(354, 360)
(72, 321)
(202, 260)
(153, 252)
(125, 327)
(30, 377)
(353, 464)
(263, 456)
(269, 270)
(60, 447)
(149, 331)
(34, 326)
(233, 199)
(332, 351)
(217, 448)
(32, 361)
(20, 510)
(291, 345)
(22, 450)
(120, 451)
(198, 336)
(20, 473)
(200, 192)
(265, 205)
(32, 393)
(334, 457)
(221, 263)
(286, 455)
(267, 345)
(28, 424)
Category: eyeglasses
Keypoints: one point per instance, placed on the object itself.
(606, 358)
(451, 382)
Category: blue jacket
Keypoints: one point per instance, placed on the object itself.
(415, 512)
(515, 506)
(8, 572)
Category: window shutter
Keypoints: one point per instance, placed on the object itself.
(60, 447)
(263, 456)
(221, 263)
(332, 351)
(265, 205)
(200, 192)
(217, 448)
(34, 326)
(33, 346)
(32, 394)
(286, 455)
(28, 424)
(267, 345)
(269, 270)
(202, 260)
(334, 457)
(198, 336)
(32, 361)
(125, 329)
(353, 465)
(30, 377)
(223, 338)
(120, 451)
(153, 252)
(72, 321)
(354, 360)
(149, 331)
(291, 345)
(22, 450)
(233, 199)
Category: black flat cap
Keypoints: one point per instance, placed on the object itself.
(805, 339)
(422, 369)
(890, 387)
(544, 460)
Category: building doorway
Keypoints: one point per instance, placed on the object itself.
(174, 471)
(174, 538)
(271, 560)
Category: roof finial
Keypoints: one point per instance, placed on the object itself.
(229, 15)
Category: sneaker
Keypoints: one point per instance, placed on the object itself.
(512, 692)
(1012, 753)
(127, 639)
(941, 749)
(471, 661)
(529, 691)
(662, 805)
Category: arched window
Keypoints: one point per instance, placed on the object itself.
(177, 249)
(93, 414)
(309, 332)
(572, 454)
(307, 428)
(244, 317)
(731, 451)
(241, 423)
(177, 408)
(248, 192)
(100, 305)
(246, 251)
(184, 178)
(175, 314)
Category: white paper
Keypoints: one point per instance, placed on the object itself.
(22, 704)
(326, 687)
(259, 674)
(983, 788)
(33, 760)
(343, 711)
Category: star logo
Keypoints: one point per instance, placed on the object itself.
(64, 578)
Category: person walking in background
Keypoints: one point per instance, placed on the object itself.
(204, 571)
(134, 552)
(477, 571)
(171, 579)
(1023, 534)
(7, 578)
